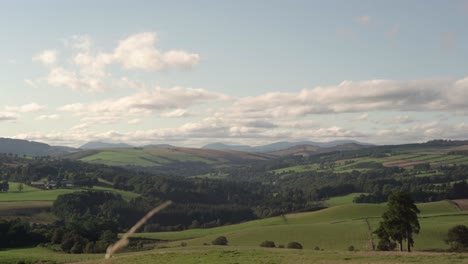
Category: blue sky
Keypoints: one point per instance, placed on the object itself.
(251, 72)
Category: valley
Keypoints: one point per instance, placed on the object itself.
(328, 201)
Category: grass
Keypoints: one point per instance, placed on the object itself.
(298, 168)
(149, 157)
(34, 194)
(257, 255)
(334, 228)
(342, 200)
(41, 255)
(34, 204)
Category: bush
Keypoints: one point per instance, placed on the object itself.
(386, 245)
(220, 241)
(351, 248)
(268, 243)
(457, 237)
(294, 245)
(316, 248)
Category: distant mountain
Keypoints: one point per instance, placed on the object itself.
(307, 150)
(222, 146)
(158, 146)
(32, 148)
(280, 145)
(101, 145)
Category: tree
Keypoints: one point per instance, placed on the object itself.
(294, 245)
(220, 241)
(4, 186)
(20, 187)
(400, 221)
(457, 237)
(268, 243)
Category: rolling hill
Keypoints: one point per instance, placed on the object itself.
(98, 145)
(283, 145)
(32, 148)
(154, 157)
(334, 228)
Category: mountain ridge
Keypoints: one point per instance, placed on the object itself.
(281, 145)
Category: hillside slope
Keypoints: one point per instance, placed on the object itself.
(153, 157)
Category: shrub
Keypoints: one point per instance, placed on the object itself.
(386, 245)
(457, 237)
(268, 243)
(316, 248)
(183, 244)
(351, 248)
(294, 245)
(220, 241)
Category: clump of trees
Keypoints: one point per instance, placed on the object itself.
(18, 233)
(4, 186)
(294, 245)
(220, 241)
(400, 222)
(268, 244)
(457, 238)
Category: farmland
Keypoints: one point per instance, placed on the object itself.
(149, 157)
(330, 230)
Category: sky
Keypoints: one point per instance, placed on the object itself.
(189, 73)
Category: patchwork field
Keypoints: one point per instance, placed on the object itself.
(335, 228)
(34, 204)
(232, 255)
(149, 157)
(331, 230)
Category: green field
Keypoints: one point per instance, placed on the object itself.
(232, 255)
(342, 200)
(39, 255)
(34, 194)
(348, 222)
(148, 157)
(34, 204)
(333, 230)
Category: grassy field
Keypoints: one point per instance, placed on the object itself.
(232, 255)
(33, 194)
(34, 204)
(332, 230)
(148, 157)
(348, 222)
(342, 200)
(41, 255)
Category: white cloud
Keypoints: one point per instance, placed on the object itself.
(60, 77)
(392, 33)
(147, 102)
(48, 117)
(176, 113)
(139, 52)
(362, 117)
(6, 116)
(448, 42)
(400, 120)
(134, 121)
(47, 57)
(75, 107)
(33, 84)
(79, 42)
(364, 20)
(89, 72)
(27, 108)
(101, 119)
(355, 97)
